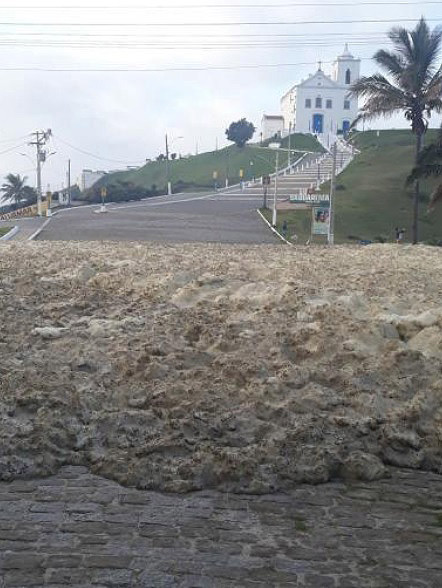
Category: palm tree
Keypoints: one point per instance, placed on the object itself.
(429, 164)
(14, 189)
(415, 87)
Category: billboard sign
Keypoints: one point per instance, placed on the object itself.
(320, 220)
(311, 198)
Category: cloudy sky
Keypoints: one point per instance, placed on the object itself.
(111, 79)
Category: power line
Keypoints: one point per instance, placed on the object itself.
(12, 148)
(14, 140)
(214, 24)
(194, 47)
(346, 34)
(210, 6)
(94, 154)
(166, 69)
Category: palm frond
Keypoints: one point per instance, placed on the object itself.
(393, 63)
(402, 43)
(376, 84)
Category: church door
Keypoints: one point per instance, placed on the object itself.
(318, 124)
(346, 127)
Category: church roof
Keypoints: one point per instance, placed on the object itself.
(347, 52)
(317, 80)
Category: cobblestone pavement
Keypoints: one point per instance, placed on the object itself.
(80, 530)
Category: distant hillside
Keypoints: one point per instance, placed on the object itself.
(371, 196)
(372, 199)
(196, 172)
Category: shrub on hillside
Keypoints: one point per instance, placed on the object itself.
(240, 132)
(119, 192)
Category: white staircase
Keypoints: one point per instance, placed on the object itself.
(308, 173)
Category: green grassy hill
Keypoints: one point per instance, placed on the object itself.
(196, 172)
(371, 196)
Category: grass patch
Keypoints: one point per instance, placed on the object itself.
(374, 199)
(4, 230)
(196, 172)
(298, 141)
(298, 223)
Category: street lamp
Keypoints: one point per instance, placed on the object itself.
(275, 194)
(169, 186)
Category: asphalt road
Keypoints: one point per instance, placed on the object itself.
(218, 218)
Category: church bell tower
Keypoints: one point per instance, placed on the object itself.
(346, 69)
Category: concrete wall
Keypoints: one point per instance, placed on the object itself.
(88, 178)
(271, 126)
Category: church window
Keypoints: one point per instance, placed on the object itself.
(348, 77)
(329, 104)
(308, 103)
(346, 104)
(318, 102)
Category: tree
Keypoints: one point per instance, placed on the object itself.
(429, 164)
(30, 195)
(15, 189)
(414, 89)
(240, 132)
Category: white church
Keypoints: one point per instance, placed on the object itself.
(320, 105)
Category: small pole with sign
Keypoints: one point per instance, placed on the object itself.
(215, 183)
(265, 188)
(103, 196)
(241, 175)
(49, 202)
(275, 194)
(331, 227)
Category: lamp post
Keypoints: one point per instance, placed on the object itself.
(290, 139)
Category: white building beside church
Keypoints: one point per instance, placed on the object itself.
(320, 104)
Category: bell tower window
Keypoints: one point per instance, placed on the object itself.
(348, 77)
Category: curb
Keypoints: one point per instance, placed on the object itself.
(39, 230)
(11, 233)
(277, 233)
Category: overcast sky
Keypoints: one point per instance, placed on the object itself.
(122, 116)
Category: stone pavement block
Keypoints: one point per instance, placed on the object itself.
(107, 561)
(67, 576)
(113, 577)
(20, 579)
(319, 581)
(21, 561)
(182, 542)
(63, 561)
(156, 580)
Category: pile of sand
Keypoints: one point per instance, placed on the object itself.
(242, 368)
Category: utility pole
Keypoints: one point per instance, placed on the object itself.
(275, 194)
(331, 226)
(290, 139)
(40, 141)
(69, 182)
(169, 190)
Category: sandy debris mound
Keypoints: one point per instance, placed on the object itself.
(243, 368)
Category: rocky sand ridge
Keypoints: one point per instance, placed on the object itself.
(248, 368)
